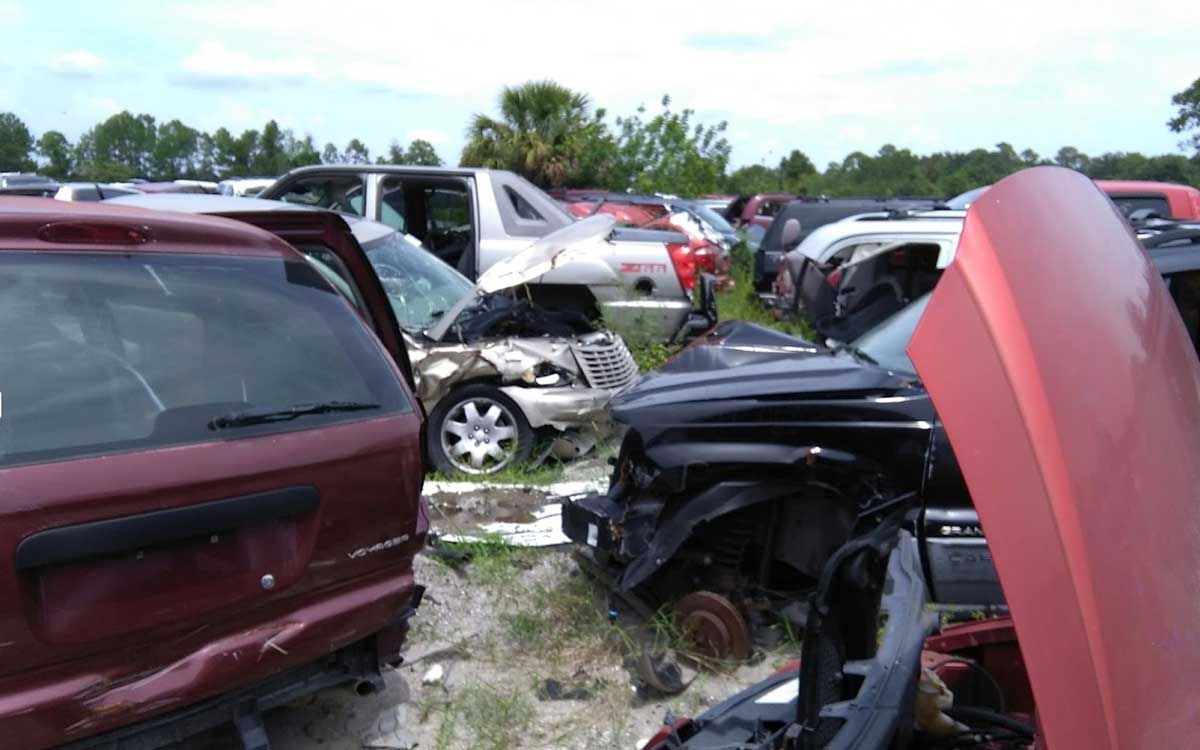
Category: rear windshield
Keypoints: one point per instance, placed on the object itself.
(1153, 202)
(101, 353)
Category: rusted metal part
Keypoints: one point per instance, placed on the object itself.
(714, 625)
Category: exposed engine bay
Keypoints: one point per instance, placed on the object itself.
(871, 677)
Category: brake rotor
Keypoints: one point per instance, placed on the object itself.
(713, 625)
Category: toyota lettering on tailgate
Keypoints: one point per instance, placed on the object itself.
(643, 268)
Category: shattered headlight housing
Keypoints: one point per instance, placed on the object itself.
(546, 375)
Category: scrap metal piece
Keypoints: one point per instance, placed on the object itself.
(713, 625)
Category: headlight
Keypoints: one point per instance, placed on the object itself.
(545, 375)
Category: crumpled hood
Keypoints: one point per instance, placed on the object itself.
(552, 251)
(1071, 395)
(746, 371)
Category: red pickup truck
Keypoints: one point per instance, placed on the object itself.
(1165, 199)
(210, 473)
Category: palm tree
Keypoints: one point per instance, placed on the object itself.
(541, 133)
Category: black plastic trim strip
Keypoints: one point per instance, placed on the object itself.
(128, 533)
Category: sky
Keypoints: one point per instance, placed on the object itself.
(827, 78)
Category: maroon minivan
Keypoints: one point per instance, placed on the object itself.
(210, 474)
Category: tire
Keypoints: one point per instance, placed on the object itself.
(472, 412)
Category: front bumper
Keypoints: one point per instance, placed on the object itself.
(562, 408)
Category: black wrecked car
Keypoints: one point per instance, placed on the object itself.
(752, 456)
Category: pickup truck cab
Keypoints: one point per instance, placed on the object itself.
(210, 474)
(474, 218)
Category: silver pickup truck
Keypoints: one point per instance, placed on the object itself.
(640, 281)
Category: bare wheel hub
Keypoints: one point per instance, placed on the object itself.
(713, 625)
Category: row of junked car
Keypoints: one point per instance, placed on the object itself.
(686, 513)
(213, 442)
(1023, 389)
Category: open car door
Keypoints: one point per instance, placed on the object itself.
(325, 238)
(848, 300)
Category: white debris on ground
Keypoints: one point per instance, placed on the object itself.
(524, 515)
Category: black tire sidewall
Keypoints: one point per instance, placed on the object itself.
(433, 426)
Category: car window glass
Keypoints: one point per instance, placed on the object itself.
(886, 342)
(419, 286)
(853, 251)
(344, 193)
(523, 208)
(1156, 204)
(1185, 290)
(714, 219)
(391, 204)
(103, 352)
(331, 267)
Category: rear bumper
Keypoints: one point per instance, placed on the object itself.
(74, 703)
(358, 663)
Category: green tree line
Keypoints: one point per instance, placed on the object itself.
(556, 138)
(127, 145)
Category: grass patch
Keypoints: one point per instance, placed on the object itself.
(496, 719)
(649, 355)
(739, 303)
(563, 622)
(742, 303)
(446, 729)
(494, 561)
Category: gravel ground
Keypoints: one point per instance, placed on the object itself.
(527, 655)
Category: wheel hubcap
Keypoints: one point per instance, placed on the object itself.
(479, 436)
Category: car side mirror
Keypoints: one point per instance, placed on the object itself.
(790, 234)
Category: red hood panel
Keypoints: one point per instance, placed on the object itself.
(1071, 394)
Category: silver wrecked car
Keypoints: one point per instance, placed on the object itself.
(497, 374)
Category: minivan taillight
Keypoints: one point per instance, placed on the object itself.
(684, 262)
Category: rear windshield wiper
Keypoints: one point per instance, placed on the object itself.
(262, 416)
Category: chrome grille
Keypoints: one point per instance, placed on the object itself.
(606, 363)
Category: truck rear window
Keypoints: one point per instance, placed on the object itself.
(1153, 202)
(102, 353)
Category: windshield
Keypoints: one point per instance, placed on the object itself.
(886, 342)
(963, 201)
(420, 286)
(714, 219)
(107, 352)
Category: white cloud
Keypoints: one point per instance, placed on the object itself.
(10, 12)
(77, 62)
(100, 106)
(215, 63)
(847, 77)
(436, 137)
